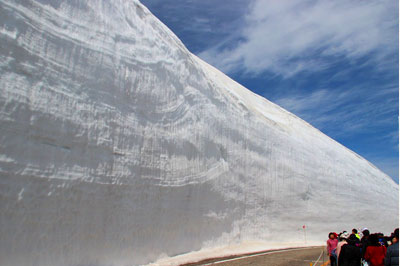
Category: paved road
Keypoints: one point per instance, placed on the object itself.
(289, 257)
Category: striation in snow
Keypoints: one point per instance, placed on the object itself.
(120, 147)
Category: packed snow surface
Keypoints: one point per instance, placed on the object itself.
(120, 147)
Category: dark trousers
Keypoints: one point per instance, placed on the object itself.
(333, 260)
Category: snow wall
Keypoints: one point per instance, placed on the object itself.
(118, 146)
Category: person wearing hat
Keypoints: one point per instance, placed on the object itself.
(342, 241)
(392, 254)
(350, 254)
(331, 245)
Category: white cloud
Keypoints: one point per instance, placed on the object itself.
(287, 37)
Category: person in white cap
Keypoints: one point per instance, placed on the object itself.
(342, 242)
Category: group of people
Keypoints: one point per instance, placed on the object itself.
(362, 248)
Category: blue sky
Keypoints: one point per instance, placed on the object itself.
(332, 63)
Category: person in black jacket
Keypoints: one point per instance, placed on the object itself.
(350, 255)
(392, 254)
(364, 241)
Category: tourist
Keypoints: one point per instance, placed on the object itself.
(383, 239)
(342, 241)
(331, 245)
(392, 254)
(350, 255)
(375, 252)
(355, 232)
(364, 241)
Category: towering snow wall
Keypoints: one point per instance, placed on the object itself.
(119, 146)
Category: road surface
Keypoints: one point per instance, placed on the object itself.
(315, 256)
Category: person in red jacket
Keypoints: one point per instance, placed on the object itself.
(331, 245)
(375, 253)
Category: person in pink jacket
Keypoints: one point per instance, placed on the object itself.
(342, 242)
(331, 245)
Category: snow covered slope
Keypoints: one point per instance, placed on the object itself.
(118, 147)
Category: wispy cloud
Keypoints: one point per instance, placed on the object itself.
(288, 37)
(200, 24)
(363, 117)
(345, 112)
